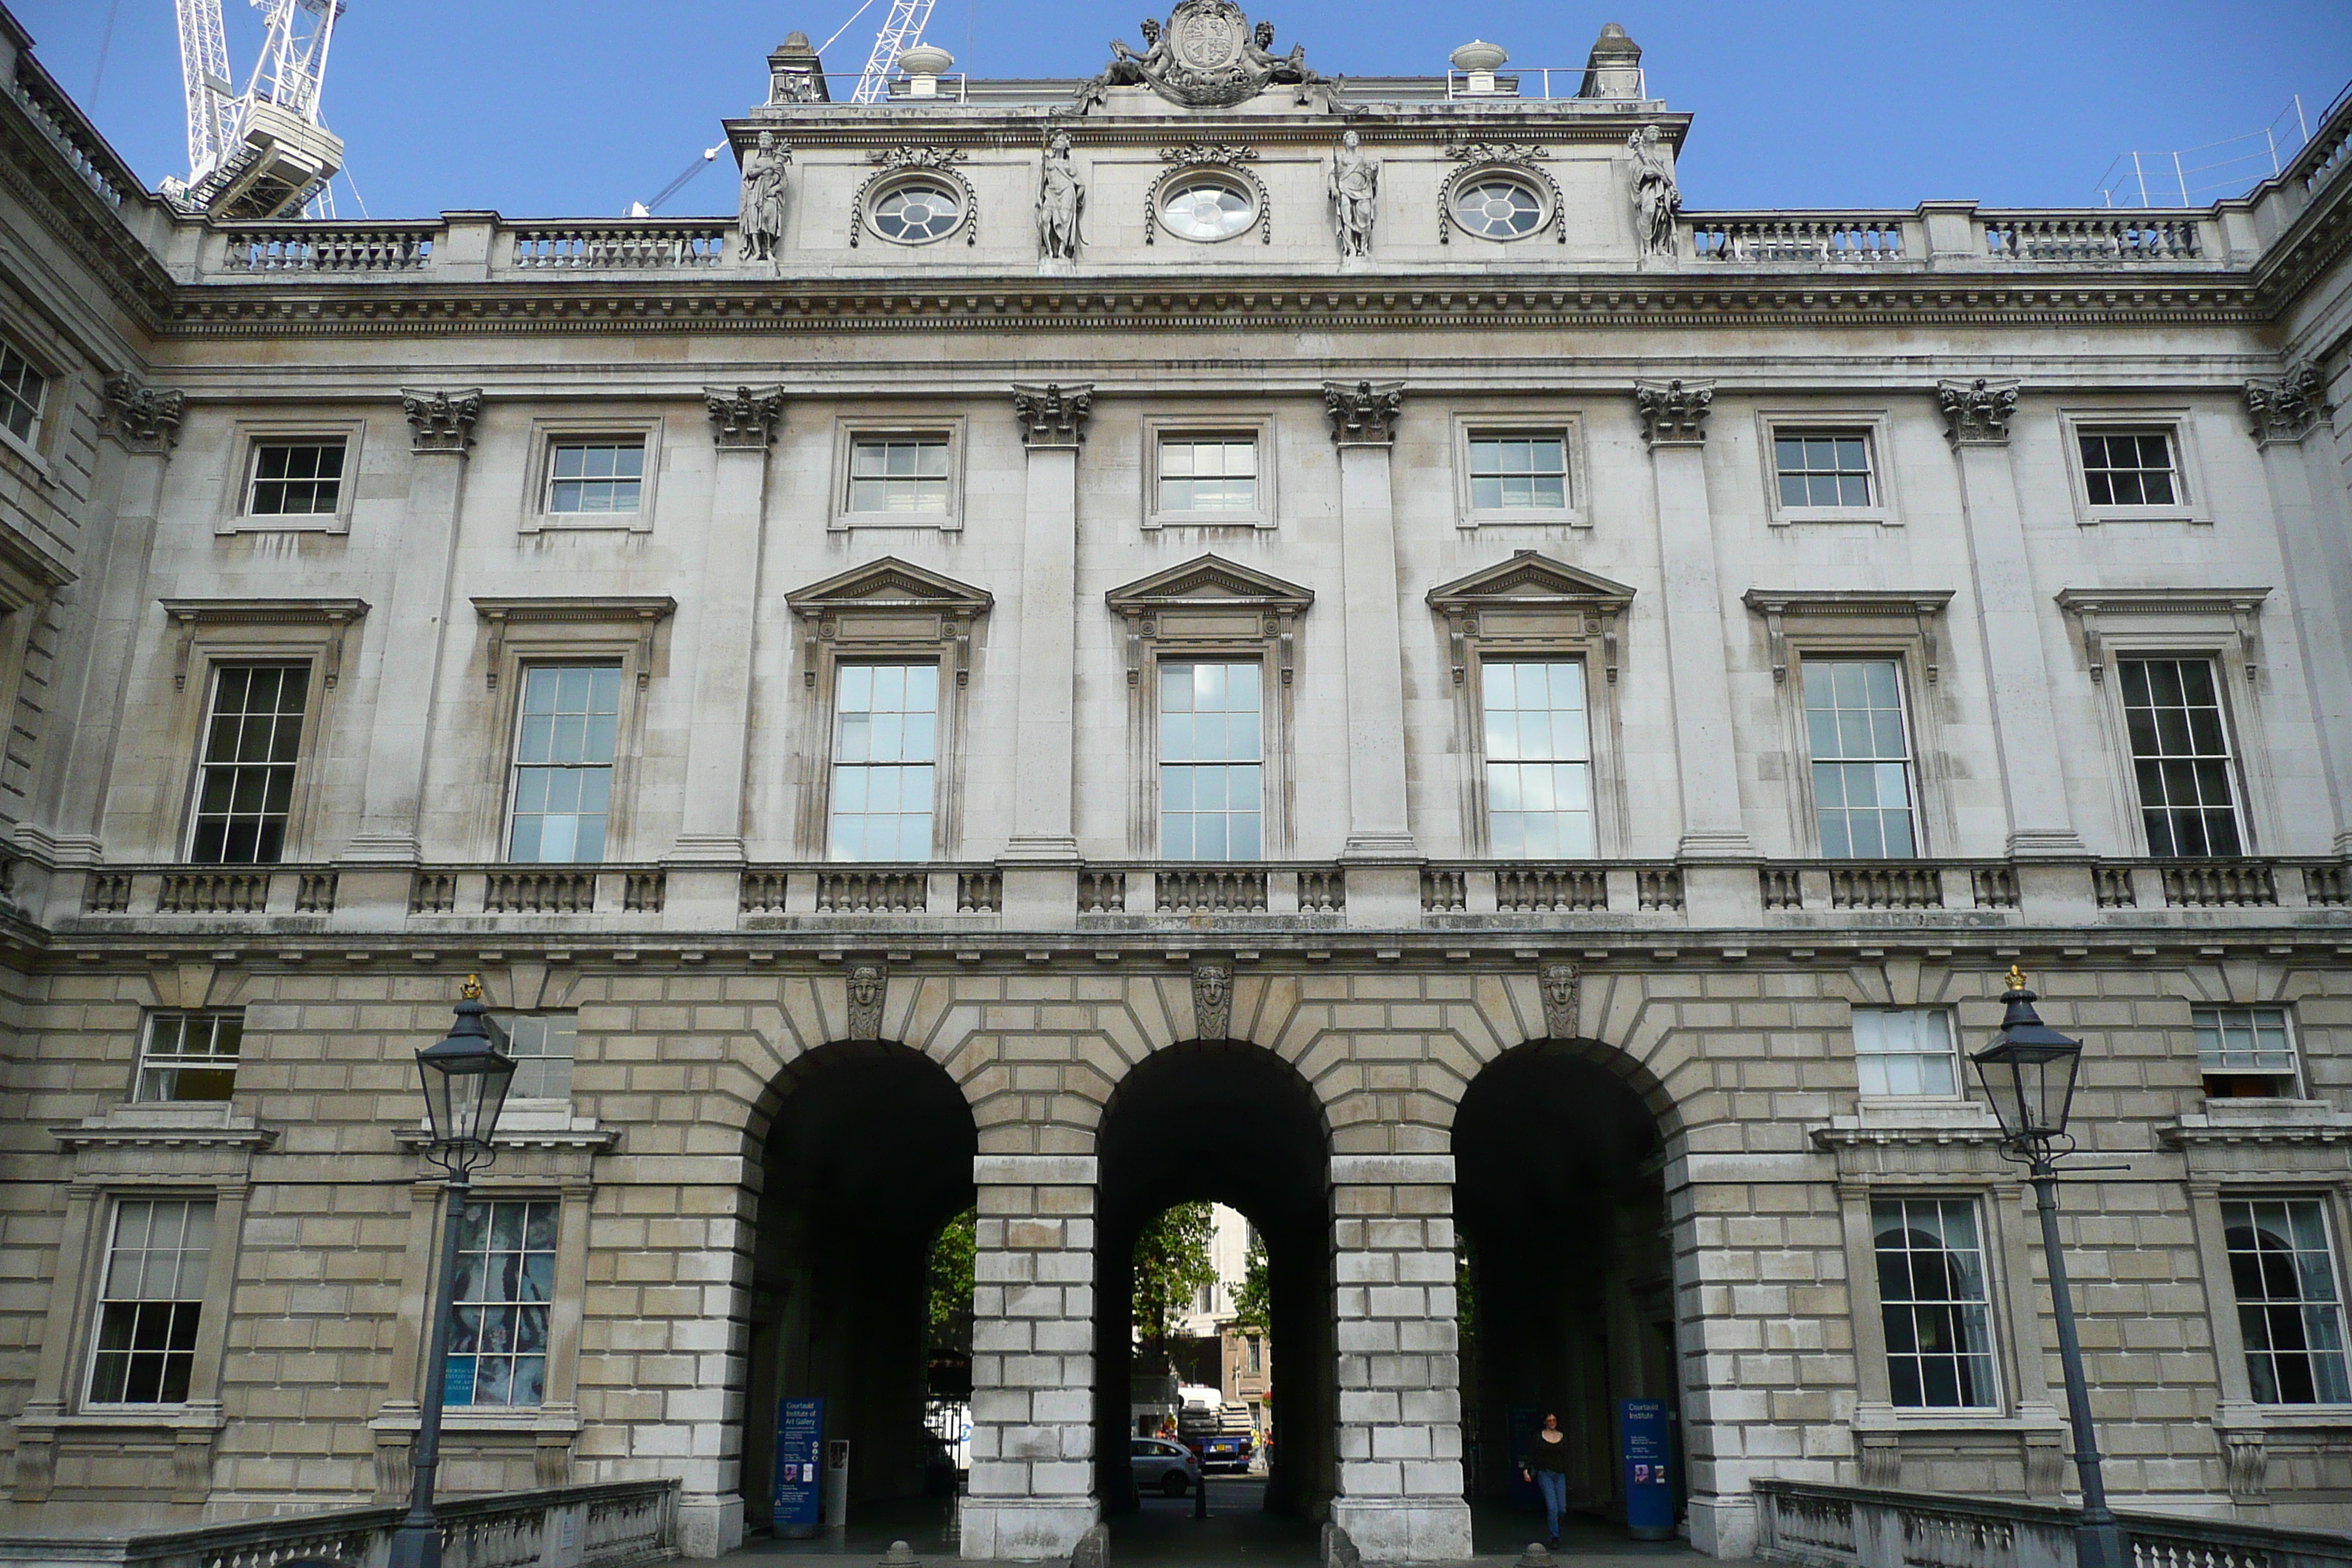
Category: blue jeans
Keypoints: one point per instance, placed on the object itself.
(1554, 1487)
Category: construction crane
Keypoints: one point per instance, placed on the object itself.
(901, 32)
(260, 153)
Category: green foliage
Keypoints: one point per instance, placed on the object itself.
(1172, 1264)
(950, 1287)
(1254, 1303)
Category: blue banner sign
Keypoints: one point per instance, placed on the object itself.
(800, 1457)
(1649, 1494)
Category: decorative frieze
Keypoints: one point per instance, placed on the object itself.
(1977, 414)
(143, 418)
(1673, 413)
(2289, 406)
(1364, 415)
(1052, 415)
(442, 421)
(744, 420)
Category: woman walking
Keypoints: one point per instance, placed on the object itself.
(1546, 1463)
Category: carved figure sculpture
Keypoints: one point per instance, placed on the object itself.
(867, 984)
(1206, 56)
(1657, 200)
(1355, 194)
(1558, 981)
(1060, 201)
(763, 204)
(1213, 1000)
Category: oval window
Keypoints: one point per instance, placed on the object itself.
(917, 212)
(1209, 209)
(1498, 207)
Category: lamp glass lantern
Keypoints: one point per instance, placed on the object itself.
(466, 1082)
(2029, 1071)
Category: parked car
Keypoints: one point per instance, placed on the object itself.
(1155, 1462)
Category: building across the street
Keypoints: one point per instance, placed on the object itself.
(1228, 631)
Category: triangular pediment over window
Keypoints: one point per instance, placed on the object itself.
(1530, 579)
(1210, 580)
(891, 583)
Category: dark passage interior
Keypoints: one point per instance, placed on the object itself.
(1230, 1123)
(870, 1154)
(1570, 1306)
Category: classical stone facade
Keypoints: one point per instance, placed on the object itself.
(1336, 615)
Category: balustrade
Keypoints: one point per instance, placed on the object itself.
(1819, 240)
(1322, 890)
(840, 892)
(2217, 884)
(1211, 890)
(341, 248)
(979, 892)
(639, 245)
(539, 892)
(2136, 237)
(1102, 892)
(1885, 888)
(1522, 889)
(214, 893)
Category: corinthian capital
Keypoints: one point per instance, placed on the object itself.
(2289, 406)
(1052, 415)
(1364, 415)
(1976, 412)
(441, 421)
(1673, 413)
(744, 420)
(143, 418)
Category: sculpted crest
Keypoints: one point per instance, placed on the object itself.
(1207, 56)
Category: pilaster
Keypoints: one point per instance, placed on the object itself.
(1041, 855)
(1400, 1494)
(441, 426)
(2025, 727)
(1674, 425)
(743, 425)
(1363, 426)
(1032, 1363)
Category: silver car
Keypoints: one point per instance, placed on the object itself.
(1159, 1464)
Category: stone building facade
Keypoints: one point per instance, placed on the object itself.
(1335, 615)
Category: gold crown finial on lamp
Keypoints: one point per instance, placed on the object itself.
(472, 989)
(2016, 978)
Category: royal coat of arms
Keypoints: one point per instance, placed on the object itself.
(1206, 56)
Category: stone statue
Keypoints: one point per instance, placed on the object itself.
(1289, 70)
(1558, 981)
(1060, 201)
(762, 205)
(1207, 56)
(1213, 1000)
(1656, 198)
(1355, 193)
(867, 984)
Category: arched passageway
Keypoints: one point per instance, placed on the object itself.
(1231, 1123)
(1569, 1309)
(868, 1153)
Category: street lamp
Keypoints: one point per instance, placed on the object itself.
(2029, 1073)
(465, 1078)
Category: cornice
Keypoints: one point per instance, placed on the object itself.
(74, 213)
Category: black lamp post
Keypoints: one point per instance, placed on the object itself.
(465, 1078)
(2029, 1073)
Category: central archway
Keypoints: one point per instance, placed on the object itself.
(868, 1153)
(1227, 1122)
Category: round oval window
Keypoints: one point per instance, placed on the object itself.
(1498, 209)
(1207, 210)
(917, 212)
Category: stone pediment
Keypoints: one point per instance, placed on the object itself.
(891, 583)
(1210, 581)
(1530, 579)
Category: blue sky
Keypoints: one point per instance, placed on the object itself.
(575, 108)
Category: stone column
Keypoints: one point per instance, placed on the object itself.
(1399, 1474)
(1384, 874)
(414, 628)
(2309, 503)
(1033, 1363)
(1040, 858)
(2008, 609)
(141, 423)
(744, 429)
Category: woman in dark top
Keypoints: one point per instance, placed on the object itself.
(1546, 1462)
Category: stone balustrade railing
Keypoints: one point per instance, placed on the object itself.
(1142, 895)
(618, 1524)
(1817, 239)
(2102, 237)
(31, 89)
(631, 245)
(322, 247)
(1862, 1527)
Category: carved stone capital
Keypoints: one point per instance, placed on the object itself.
(2288, 408)
(441, 421)
(744, 420)
(1364, 415)
(1213, 1000)
(143, 418)
(1673, 413)
(1053, 414)
(867, 985)
(1976, 412)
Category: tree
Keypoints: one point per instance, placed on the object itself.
(1173, 1266)
(950, 1335)
(1254, 1303)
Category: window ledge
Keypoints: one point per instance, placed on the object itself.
(2250, 1417)
(2260, 1120)
(529, 1420)
(1528, 517)
(287, 523)
(29, 455)
(579, 1132)
(2092, 516)
(1163, 520)
(199, 1415)
(1783, 516)
(1890, 1418)
(212, 1123)
(1918, 1113)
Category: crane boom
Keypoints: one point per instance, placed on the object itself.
(204, 70)
(261, 153)
(901, 32)
(293, 63)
